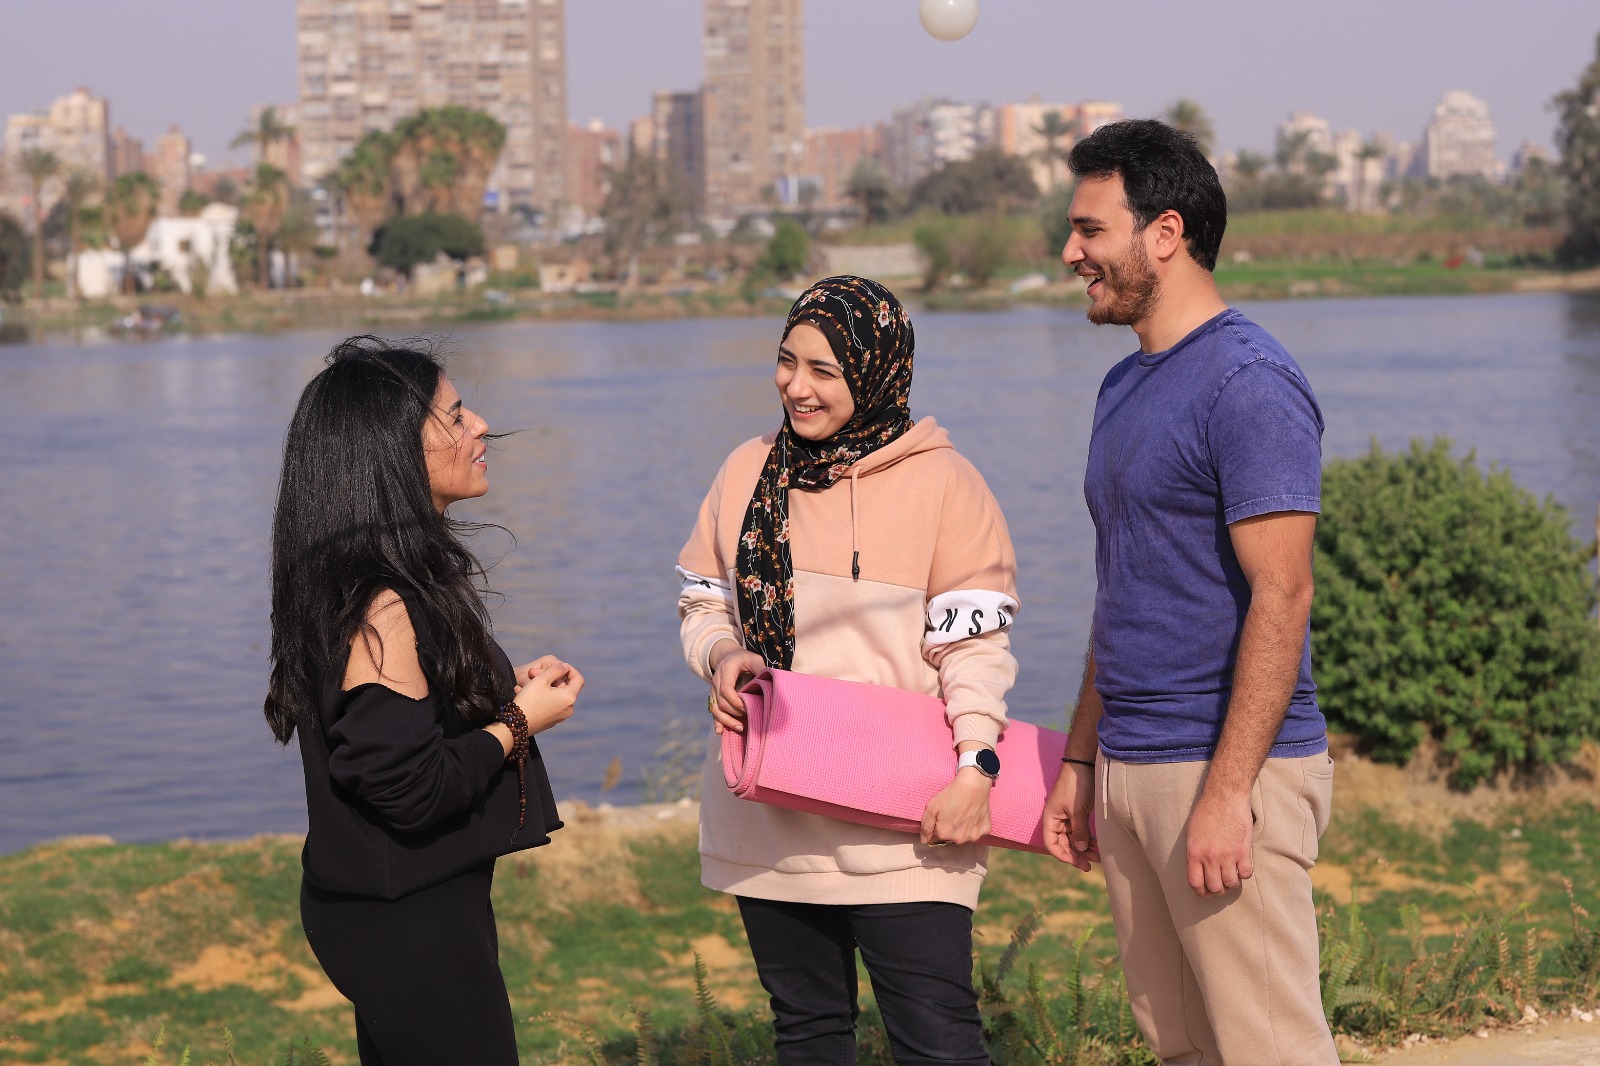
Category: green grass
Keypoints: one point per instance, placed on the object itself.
(103, 947)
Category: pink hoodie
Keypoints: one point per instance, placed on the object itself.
(930, 613)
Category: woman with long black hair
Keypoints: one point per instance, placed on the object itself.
(415, 730)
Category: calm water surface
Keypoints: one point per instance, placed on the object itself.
(139, 481)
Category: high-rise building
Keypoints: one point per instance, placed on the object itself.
(76, 127)
(832, 156)
(678, 133)
(1459, 139)
(592, 151)
(366, 64)
(754, 103)
(930, 133)
(169, 164)
(127, 154)
(1020, 132)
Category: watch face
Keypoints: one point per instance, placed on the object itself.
(988, 762)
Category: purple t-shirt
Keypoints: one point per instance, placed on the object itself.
(1219, 427)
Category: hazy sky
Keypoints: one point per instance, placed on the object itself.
(1370, 64)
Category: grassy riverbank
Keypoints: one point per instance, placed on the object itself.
(1464, 920)
(345, 311)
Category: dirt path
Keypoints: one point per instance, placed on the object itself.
(1561, 1043)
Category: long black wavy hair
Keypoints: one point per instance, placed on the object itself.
(355, 515)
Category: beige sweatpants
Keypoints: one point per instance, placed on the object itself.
(1228, 980)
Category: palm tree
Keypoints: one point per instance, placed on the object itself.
(365, 181)
(80, 188)
(442, 160)
(1191, 118)
(267, 131)
(40, 165)
(1053, 128)
(130, 208)
(1248, 165)
(1369, 150)
(265, 208)
(1291, 148)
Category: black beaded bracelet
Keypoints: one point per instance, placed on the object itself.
(512, 718)
(1080, 762)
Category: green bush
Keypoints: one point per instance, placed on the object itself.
(414, 239)
(787, 251)
(1452, 605)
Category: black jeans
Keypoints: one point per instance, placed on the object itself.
(918, 955)
(423, 971)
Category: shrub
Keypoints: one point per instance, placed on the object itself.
(14, 253)
(1452, 605)
(787, 251)
(413, 239)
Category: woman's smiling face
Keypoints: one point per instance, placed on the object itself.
(811, 384)
(453, 445)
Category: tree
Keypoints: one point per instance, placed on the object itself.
(1191, 118)
(1368, 151)
(14, 256)
(641, 208)
(869, 188)
(1452, 606)
(1054, 129)
(130, 208)
(81, 187)
(39, 166)
(990, 180)
(267, 131)
(192, 202)
(413, 239)
(1578, 139)
(364, 180)
(265, 207)
(787, 251)
(441, 160)
(1249, 165)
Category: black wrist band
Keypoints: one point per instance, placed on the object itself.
(1080, 762)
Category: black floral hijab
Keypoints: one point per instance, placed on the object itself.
(871, 336)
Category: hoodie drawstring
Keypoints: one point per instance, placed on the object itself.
(855, 532)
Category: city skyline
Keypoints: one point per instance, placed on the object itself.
(1375, 67)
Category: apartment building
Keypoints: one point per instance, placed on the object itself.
(753, 104)
(366, 64)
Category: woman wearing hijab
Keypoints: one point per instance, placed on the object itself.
(854, 543)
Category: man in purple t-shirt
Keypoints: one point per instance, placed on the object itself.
(1197, 736)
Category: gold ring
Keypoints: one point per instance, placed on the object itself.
(711, 703)
(938, 843)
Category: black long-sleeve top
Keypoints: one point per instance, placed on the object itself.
(404, 793)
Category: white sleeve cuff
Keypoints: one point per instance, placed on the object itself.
(962, 613)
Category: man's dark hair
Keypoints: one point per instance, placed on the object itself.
(1162, 169)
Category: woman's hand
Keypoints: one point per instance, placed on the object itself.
(547, 697)
(731, 666)
(960, 813)
(528, 671)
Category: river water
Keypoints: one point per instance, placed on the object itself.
(139, 479)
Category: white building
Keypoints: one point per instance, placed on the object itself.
(186, 249)
(1459, 139)
(927, 135)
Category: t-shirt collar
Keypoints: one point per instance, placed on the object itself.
(1156, 358)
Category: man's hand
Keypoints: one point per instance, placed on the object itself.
(1068, 834)
(1221, 832)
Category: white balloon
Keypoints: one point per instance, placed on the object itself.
(948, 20)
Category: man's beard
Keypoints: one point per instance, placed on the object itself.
(1135, 290)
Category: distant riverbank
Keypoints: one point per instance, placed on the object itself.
(345, 309)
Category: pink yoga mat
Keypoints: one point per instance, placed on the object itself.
(876, 755)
